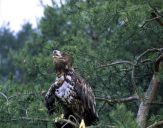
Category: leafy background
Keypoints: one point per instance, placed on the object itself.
(95, 33)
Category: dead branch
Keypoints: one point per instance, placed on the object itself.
(2, 94)
(148, 51)
(156, 103)
(155, 14)
(156, 124)
(150, 94)
(121, 100)
(152, 19)
(69, 122)
(101, 107)
(145, 61)
(115, 63)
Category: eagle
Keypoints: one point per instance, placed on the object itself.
(72, 91)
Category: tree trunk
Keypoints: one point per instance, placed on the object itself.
(150, 95)
(144, 107)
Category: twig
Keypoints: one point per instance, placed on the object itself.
(145, 61)
(101, 107)
(1, 93)
(69, 122)
(73, 117)
(156, 124)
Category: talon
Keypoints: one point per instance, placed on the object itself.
(82, 124)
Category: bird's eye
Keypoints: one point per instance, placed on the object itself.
(54, 51)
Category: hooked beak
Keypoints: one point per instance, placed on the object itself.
(56, 57)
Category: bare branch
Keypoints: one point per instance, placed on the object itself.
(149, 20)
(69, 122)
(145, 61)
(155, 13)
(1, 93)
(148, 51)
(156, 124)
(122, 100)
(101, 107)
(115, 63)
(73, 117)
(156, 103)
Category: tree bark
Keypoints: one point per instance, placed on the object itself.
(149, 96)
(145, 103)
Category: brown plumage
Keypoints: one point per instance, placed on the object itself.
(71, 90)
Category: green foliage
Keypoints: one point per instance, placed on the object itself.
(95, 33)
(21, 101)
(123, 118)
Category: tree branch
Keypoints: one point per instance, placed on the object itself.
(156, 14)
(69, 122)
(148, 51)
(121, 100)
(149, 20)
(2, 94)
(156, 124)
(115, 63)
(156, 103)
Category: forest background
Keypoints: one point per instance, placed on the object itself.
(117, 47)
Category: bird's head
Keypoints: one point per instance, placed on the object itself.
(62, 60)
(57, 55)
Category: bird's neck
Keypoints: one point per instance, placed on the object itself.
(64, 72)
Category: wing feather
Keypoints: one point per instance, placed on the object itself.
(85, 94)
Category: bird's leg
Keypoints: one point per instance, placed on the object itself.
(82, 124)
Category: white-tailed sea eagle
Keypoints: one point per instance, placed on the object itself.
(69, 88)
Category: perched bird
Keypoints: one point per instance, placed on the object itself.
(72, 91)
